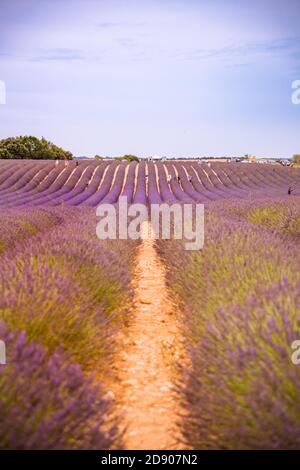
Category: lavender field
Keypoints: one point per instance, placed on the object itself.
(240, 301)
(40, 183)
(78, 314)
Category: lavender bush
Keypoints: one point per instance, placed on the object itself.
(47, 403)
(241, 299)
(242, 392)
(66, 288)
(17, 225)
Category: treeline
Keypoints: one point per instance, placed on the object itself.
(127, 157)
(30, 147)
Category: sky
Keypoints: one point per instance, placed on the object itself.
(170, 77)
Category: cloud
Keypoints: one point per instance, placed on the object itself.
(127, 42)
(237, 52)
(119, 24)
(65, 55)
(107, 24)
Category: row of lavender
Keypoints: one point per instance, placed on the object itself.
(63, 296)
(25, 184)
(240, 298)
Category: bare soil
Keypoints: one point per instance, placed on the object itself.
(149, 349)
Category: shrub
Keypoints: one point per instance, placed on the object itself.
(281, 216)
(19, 224)
(129, 158)
(65, 289)
(45, 402)
(242, 392)
(240, 296)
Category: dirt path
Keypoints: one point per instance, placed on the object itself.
(149, 349)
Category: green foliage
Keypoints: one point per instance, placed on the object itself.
(64, 292)
(97, 157)
(240, 297)
(30, 147)
(282, 216)
(279, 217)
(296, 158)
(129, 158)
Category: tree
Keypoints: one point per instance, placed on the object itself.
(97, 157)
(30, 147)
(296, 158)
(129, 158)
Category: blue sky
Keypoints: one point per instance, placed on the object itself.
(168, 77)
